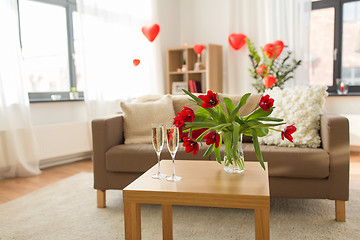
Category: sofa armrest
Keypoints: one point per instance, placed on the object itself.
(106, 133)
(334, 130)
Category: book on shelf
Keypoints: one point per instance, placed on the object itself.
(194, 86)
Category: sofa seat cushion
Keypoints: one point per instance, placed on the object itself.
(141, 157)
(292, 162)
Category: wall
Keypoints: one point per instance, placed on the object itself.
(349, 107)
(61, 128)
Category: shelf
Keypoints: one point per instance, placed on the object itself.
(201, 71)
(176, 73)
(210, 77)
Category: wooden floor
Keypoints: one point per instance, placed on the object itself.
(13, 188)
(16, 187)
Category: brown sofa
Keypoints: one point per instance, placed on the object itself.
(321, 173)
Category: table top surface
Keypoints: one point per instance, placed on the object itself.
(206, 177)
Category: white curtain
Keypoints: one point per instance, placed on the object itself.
(111, 38)
(17, 143)
(265, 21)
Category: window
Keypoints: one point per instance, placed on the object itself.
(335, 44)
(47, 43)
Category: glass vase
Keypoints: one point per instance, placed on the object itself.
(237, 164)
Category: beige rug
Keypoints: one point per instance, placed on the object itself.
(67, 210)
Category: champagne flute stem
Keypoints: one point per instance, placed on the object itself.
(173, 160)
(158, 155)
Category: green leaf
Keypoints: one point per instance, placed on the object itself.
(228, 140)
(201, 124)
(240, 104)
(201, 117)
(236, 138)
(258, 113)
(261, 132)
(268, 119)
(229, 105)
(257, 148)
(196, 99)
(209, 150)
(217, 151)
(221, 126)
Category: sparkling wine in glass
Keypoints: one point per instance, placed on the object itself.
(157, 134)
(172, 137)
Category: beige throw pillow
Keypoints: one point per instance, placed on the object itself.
(138, 118)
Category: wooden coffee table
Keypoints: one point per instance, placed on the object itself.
(204, 183)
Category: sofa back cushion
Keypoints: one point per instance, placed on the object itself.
(138, 118)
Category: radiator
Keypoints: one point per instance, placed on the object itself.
(62, 143)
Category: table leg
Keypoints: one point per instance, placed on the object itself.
(262, 225)
(167, 224)
(132, 221)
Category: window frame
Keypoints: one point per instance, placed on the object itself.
(70, 7)
(338, 31)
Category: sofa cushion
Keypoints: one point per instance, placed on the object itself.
(302, 106)
(138, 118)
(291, 162)
(140, 157)
(180, 101)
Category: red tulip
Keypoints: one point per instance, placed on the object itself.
(273, 50)
(266, 102)
(212, 137)
(186, 115)
(269, 81)
(191, 145)
(210, 100)
(261, 70)
(288, 130)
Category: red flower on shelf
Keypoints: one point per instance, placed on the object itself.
(288, 130)
(191, 145)
(269, 81)
(210, 100)
(266, 102)
(186, 115)
(212, 137)
(261, 70)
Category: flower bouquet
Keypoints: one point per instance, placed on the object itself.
(221, 124)
(269, 70)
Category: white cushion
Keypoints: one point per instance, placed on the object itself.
(299, 105)
(138, 118)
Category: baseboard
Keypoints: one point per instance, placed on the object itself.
(45, 163)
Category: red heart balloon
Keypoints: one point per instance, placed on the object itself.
(136, 62)
(273, 50)
(151, 32)
(198, 48)
(269, 81)
(237, 41)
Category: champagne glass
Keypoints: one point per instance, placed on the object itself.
(157, 134)
(172, 136)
